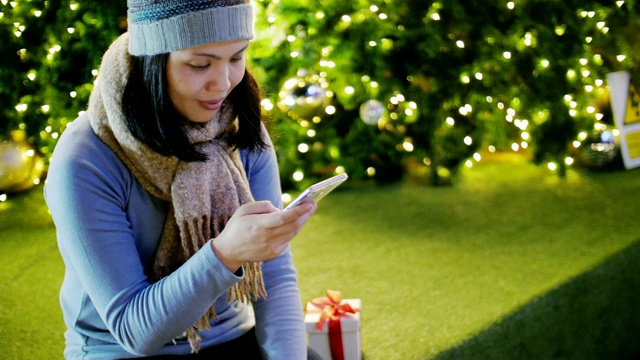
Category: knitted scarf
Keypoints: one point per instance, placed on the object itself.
(202, 196)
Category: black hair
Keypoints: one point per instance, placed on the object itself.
(151, 117)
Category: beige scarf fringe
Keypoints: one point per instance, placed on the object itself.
(202, 195)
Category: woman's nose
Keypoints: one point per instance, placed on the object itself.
(219, 79)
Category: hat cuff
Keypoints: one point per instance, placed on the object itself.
(192, 29)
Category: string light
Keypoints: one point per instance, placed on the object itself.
(450, 121)
(303, 148)
(267, 105)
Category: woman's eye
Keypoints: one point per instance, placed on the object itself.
(199, 67)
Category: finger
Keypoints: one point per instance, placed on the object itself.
(277, 237)
(291, 215)
(289, 223)
(258, 207)
(304, 207)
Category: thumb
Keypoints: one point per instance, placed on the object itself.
(254, 208)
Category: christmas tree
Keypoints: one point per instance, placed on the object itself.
(52, 53)
(378, 89)
(433, 85)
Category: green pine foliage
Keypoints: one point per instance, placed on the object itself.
(501, 75)
(52, 50)
(455, 78)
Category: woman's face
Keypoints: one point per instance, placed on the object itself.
(200, 78)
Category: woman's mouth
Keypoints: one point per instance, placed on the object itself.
(211, 104)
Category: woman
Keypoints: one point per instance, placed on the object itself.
(166, 198)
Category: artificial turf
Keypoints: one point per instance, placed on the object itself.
(511, 261)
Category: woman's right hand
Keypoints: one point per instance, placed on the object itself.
(259, 231)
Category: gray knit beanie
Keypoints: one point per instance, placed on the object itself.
(162, 26)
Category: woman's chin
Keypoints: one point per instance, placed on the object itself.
(203, 118)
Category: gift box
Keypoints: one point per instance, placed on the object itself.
(333, 327)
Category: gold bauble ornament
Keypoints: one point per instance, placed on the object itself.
(21, 167)
(303, 97)
(371, 111)
(599, 147)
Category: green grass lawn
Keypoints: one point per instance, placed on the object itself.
(509, 262)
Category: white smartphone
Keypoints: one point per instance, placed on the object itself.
(318, 190)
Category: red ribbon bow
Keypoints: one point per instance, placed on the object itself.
(332, 308)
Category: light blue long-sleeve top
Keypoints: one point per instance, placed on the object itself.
(108, 228)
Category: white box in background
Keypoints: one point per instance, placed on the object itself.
(349, 324)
